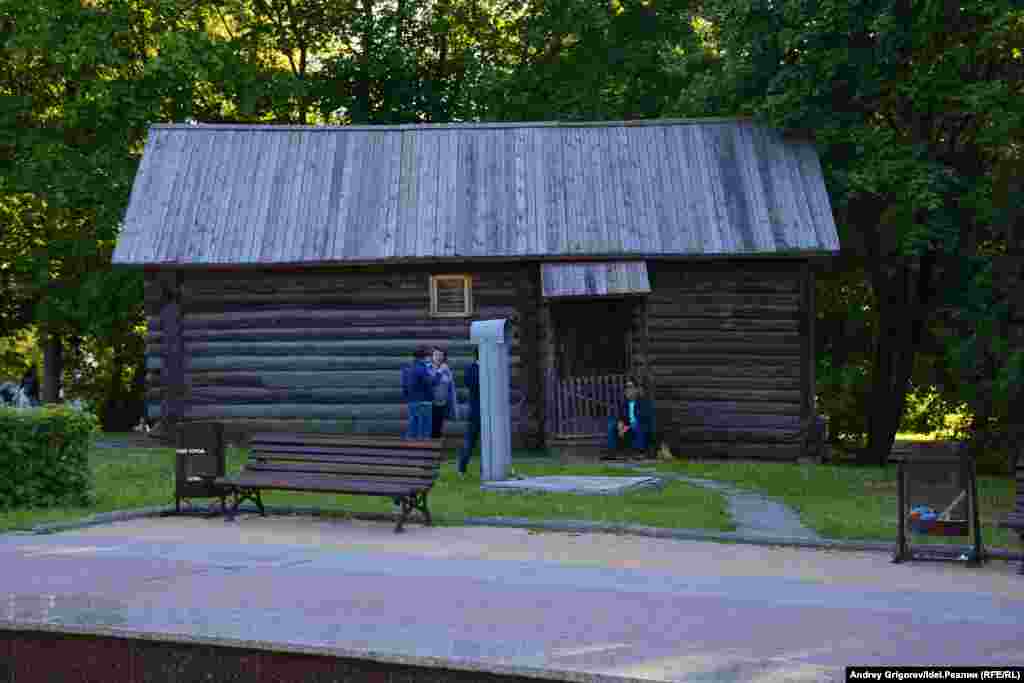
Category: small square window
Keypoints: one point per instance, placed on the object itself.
(451, 296)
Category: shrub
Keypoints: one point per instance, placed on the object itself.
(44, 457)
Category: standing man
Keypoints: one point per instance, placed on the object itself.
(421, 394)
(633, 423)
(418, 382)
(473, 425)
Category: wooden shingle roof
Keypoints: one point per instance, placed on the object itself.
(231, 194)
(594, 279)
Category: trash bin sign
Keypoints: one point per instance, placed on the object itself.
(938, 496)
(199, 460)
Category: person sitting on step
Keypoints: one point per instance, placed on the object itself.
(633, 421)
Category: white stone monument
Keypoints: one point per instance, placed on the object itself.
(491, 336)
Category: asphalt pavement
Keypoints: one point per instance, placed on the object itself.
(565, 605)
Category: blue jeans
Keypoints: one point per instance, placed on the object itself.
(421, 414)
(636, 436)
(469, 442)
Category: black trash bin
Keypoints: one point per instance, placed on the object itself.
(199, 460)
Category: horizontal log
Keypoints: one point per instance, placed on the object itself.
(342, 424)
(403, 276)
(723, 298)
(671, 411)
(715, 377)
(396, 301)
(697, 281)
(747, 338)
(234, 426)
(342, 394)
(236, 430)
(340, 286)
(668, 365)
(729, 366)
(298, 363)
(660, 324)
(741, 435)
(740, 451)
(684, 419)
(738, 345)
(310, 283)
(321, 318)
(296, 379)
(403, 348)
(337, 411)
(720, 312)
(688, 393)
(422, 332)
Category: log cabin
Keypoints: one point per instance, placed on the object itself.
(290, 270)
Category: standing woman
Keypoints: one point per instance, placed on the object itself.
(444, 393)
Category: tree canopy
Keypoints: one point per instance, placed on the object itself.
(914, 105)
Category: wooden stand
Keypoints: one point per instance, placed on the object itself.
(962, 467)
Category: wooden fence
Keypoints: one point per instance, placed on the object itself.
(580, 406)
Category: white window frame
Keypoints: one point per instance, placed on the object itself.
(467, 284)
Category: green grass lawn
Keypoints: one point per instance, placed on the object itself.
(845, 502)
(840, 502)
(132, 478)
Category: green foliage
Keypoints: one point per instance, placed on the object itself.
(44, 457)
(842, 394)
(927, 411)
(17, 353)
(915, 109)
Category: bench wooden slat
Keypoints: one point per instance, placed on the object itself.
(329, 453)
(422, 463)
(300, 482)
(345, 469)
(346, 440)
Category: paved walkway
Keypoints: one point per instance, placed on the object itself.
(652, 609)
(753, 513)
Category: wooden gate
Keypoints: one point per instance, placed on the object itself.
(580, 406)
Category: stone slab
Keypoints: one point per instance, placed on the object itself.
(593, 486)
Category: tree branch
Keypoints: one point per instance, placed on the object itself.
(224, 21)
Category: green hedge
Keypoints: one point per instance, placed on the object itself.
(44, 457)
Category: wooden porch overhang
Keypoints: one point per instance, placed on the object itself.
(609, 278)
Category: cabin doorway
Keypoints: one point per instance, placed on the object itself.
(593, 337)
(593, 356)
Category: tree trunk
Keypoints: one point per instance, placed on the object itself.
(904, 300)
(112, 418)
(53, 368)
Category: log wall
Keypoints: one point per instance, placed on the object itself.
(725, 356)
(321, 350)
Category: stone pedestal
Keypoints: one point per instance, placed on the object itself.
(495, 398)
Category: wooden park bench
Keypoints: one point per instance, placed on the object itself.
(1015, 520)
(338, 463)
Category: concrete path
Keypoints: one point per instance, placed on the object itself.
(756, 514)
(653, 609)
(753, 513)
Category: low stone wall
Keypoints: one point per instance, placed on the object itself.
(34, 656)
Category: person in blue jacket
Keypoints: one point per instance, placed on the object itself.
(420, 394)
(633, 422)
(418, 380)
(473, 422)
